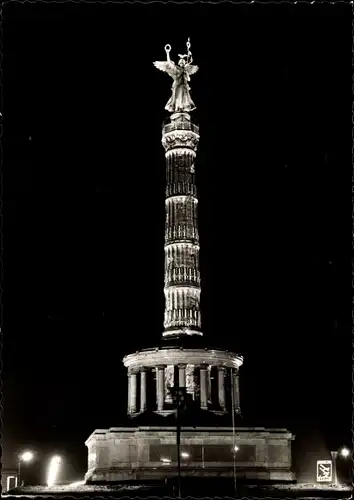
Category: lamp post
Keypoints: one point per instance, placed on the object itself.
(233, 410)
(334, 455)
(236, 448)
(179, 397)
(26, 456)
(343, 452)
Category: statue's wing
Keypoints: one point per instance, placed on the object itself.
(192, 69)
(167, 66)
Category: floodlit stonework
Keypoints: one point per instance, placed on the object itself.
(208, 377)
(142, 453)
(182, 276)
(199, 370)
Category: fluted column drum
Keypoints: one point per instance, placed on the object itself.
(182, 276)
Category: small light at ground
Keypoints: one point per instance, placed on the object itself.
(184, 454)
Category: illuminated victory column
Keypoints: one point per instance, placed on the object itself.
(182, 360)
(180, 140)
(182, 365)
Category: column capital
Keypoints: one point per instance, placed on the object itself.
(182, 365)
(204, 366)
(160, 367)
(222, 368)
(132, 371)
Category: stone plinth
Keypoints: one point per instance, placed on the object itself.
(119, 454)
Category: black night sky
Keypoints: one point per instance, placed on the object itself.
(83, 218)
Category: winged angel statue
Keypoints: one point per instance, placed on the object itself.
(180, 100)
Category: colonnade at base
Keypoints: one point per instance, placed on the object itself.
(197, 382)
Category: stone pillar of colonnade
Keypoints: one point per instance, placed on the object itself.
(236, 385)
(132, 390)
(221, 387)
(129, 386)
(160, 387)
(204, 387)
(182, 375)
(142, 389)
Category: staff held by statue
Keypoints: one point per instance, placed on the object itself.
(180, 100)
